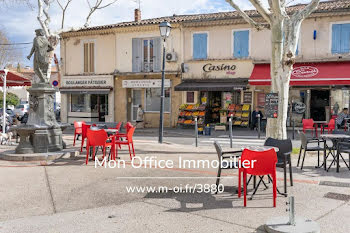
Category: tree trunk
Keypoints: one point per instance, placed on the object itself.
(280, 75)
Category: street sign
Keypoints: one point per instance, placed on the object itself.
(55, 83)
(271, 105)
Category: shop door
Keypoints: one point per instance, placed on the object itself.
(102, 101)
(136, 101)
(318, 104)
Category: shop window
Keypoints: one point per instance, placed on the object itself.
(89, 57)
(94, 103)
(241, 44)
(78, 103)
(153, 100)
(190, 97)
(340, 38)
(200, 46)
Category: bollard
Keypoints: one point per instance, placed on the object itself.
(196, 130)
(259, 126)
(336, 125)
(291, 211)
(230, 126)
(293, 128)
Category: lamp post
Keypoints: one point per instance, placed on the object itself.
(4, 102)
(164, 29)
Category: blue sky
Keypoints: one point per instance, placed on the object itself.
(19, 22)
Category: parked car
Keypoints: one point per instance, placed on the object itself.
(21, 109)
(12, 107)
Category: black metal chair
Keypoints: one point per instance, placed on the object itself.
(343, 147)
(305, 146)
(283, 155)
(224, 163)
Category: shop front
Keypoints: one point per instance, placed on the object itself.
(213, 91)
(213, 101)
(133, 91)
(317, 90)
(87, 98)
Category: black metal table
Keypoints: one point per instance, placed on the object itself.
(335, 138)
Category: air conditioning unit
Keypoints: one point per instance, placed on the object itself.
(171, 56)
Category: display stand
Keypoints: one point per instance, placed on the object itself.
(187, 115)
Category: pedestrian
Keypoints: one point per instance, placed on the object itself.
(341, 118)
(254, 119)
(139, 117)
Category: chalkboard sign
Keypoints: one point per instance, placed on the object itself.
(271, 105)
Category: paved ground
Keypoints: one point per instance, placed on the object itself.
(67, 196)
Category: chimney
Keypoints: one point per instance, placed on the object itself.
(137, 15)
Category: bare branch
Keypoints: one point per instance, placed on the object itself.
(249, 20)
(301, 15)
(44, 26)
(279, 8)
(95, 7)
(64, 9)
(265, 13)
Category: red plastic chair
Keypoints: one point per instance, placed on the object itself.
(117, 127)
(329, 127)
(99, 138)
(127, 127)
(308, 124)
(128, 141)
(84, 128)
(265, 164)
(77, 129)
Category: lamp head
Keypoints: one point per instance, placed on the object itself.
(164, 28)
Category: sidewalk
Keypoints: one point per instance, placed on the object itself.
(67, 196)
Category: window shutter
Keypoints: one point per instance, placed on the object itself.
(86, 57)
(136, 55)
(200, 43)
(241, 44)
(336, 38)
(345, 38)
(157, 50)
(92, 57)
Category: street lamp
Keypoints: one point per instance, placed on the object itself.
(4, 102)
(164, 29)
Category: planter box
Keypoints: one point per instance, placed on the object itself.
(220, 127)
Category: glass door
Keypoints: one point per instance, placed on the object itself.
(136, 101)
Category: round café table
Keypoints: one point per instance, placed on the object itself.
(260, 148)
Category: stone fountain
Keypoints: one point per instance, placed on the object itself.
(41, 136)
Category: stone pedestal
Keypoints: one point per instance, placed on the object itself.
(42, 133)
(41, 101)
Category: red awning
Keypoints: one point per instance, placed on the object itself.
(13, 79)
(307, 74)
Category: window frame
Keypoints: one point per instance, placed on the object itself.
(331, 36)
(83, 42)
(145, 100)
(149, 39)
(233, 41)
(192, 45)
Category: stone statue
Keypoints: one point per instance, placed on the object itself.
(41, 49)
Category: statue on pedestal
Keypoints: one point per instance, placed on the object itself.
(41, 49)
